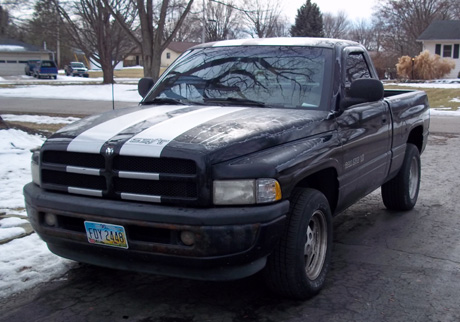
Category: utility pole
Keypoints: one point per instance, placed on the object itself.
(58, 36)
(203, 31)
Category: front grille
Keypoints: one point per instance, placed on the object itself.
(73, 180)
(113, 176)
(74, 159)
(154, 165)
(156, 188)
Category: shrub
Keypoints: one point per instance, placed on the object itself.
(424, 66)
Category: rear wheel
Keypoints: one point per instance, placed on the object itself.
(401, 192)
(298, 266)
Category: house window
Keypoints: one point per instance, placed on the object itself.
(456, 51)
(447, 51)
(438, 49)
(168, 55)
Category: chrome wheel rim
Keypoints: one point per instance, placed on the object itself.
(316, 245)
(413, 178)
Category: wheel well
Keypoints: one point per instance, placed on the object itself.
(416, 137)
(324, 181)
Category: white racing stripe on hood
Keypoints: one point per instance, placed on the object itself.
(152, 141)
(92, 140)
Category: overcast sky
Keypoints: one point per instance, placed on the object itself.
(355, 9)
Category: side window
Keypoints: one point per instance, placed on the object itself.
(356, 67)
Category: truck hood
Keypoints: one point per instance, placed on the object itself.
(215, 133)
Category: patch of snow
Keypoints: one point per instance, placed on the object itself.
(15, 157)
(122, 92)
(11, 48)
(39, 119)
(427, 85)
(27, 262)
(444, 112)
(10, 222)
(11, 232)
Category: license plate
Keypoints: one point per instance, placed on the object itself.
(106, 234)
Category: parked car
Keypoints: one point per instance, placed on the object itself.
(46, 68)
(235, 162)
(30, 66)
(76, 69)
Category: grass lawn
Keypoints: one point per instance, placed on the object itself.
(437, 97)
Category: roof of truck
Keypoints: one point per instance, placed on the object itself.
(282, 41)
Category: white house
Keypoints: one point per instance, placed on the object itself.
(14, 55)
(168, 56)
(442, 37)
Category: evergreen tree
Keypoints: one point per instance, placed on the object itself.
(308, 22)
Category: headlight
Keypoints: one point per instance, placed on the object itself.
(246, 192)
(35, 166)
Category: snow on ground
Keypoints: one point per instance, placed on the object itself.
(27, 262)
(24, 262)
(15, 155)
(39, 119)
(437, 84)
(122, 92)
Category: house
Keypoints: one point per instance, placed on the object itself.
(14, 55)
(174, 50)
(442, 37)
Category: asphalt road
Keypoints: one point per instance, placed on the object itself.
(82, 108)
(387, 266)
(58, 106)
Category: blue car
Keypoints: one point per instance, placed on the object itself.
(46, 68)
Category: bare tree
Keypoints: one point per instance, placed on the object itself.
(336, 26)
(11, 19)
(97, 34)
(223, 21)
(403, 21)
(366, 33)
(263, 18)
(455, 9)
(153, 38)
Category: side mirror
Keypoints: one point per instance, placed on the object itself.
(363, 90)
(144, 86)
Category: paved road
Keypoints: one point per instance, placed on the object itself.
(57, 106)
(387, 266)
(74, 107)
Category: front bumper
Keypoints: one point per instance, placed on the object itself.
(230, 242)
(80, 73)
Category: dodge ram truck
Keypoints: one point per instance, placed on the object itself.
(234, 163)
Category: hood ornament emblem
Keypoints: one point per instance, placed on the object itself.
(109, 151)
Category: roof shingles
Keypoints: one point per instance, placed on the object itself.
(442, 30)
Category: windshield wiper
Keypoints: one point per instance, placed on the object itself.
(234, 100)
(171, 101)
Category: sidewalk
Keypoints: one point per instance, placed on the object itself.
(13, 226)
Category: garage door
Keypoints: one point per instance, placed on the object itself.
(12, 67)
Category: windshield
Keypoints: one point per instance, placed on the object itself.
(77, 65)
(47, 63)
(281, 76)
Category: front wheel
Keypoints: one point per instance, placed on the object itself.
(401, 192)
(298, 266)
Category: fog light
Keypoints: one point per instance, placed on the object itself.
(50, 219)
(187, 238)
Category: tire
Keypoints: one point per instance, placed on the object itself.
(298, 266)
(401, 192)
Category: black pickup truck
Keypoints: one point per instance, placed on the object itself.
(235, 162)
